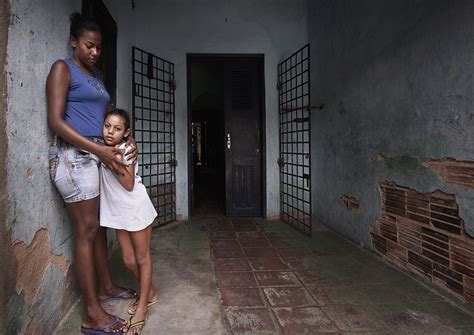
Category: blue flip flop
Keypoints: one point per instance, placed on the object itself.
(121, 296)
(102, 330)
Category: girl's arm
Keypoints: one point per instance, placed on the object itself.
(57, 86)
(126, 177)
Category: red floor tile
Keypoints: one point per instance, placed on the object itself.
(227, 253)
(245, 228)
(236, 279)
(254, 242)
(260, 252)
(319, 278)
(231, 264)
(250, 234)
(280, 242)
(306, 320)
(250, 321)
(222, 235)
(294, 252)
(302, 263)
(225, 244)
(288, 296)
(277, 278)
(241, 222)
(349, 318)
(221, 227)
(241, 297)
(267, 263)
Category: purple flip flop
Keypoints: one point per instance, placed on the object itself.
(121, 296)
(102, 330)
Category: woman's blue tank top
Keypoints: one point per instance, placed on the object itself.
(87, 102)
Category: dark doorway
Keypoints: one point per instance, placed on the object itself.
(107, 63)
(225, 131)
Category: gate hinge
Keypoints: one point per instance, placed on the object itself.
(173, 162)
(278, 86)
(281, 162)
(172, 84)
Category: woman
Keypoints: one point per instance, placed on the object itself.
(77, 103)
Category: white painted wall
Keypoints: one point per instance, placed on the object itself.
(172, 28)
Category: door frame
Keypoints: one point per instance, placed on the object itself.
(190, 57)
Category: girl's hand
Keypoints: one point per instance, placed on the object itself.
(108, 156)
(132, 155)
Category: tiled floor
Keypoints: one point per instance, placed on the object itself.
(273, 280)
(245, 276)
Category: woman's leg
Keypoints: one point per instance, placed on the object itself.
(84, 218)
(141, 244)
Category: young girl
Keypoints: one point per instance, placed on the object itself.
(126, 207)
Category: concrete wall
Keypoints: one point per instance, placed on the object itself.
(41, 289)
(170, 29)
(396, 78)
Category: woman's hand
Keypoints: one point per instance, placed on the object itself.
(132, 154)
(108, 156)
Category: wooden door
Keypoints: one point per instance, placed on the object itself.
(243, 143)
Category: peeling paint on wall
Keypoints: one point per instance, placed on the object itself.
(351, 203)
(31, 329)
(452, 171)
(423, 233)
(33, 260)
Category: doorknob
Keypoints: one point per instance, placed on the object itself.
(228, 140)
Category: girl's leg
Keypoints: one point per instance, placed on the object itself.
(141, 244)
(130, 260)
(84, 218)
(107, 288)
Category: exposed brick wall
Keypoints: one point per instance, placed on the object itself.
(423, 233)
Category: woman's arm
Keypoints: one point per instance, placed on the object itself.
(127, 176)
(57, 86)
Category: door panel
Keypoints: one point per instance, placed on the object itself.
(243, 141)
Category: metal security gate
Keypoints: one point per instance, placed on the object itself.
(153, 123)
(295, 137)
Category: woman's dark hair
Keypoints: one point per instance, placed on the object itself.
(81, 23)
(122, 113)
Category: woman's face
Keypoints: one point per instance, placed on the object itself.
(87, 48)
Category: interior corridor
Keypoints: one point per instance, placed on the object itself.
(251, 276)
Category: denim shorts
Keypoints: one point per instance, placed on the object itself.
(74, 172)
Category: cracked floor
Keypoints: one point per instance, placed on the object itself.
(217, 275)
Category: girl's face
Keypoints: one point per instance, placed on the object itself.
(87, 48)
(114, 130)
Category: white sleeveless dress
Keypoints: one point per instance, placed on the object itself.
(121, 209)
